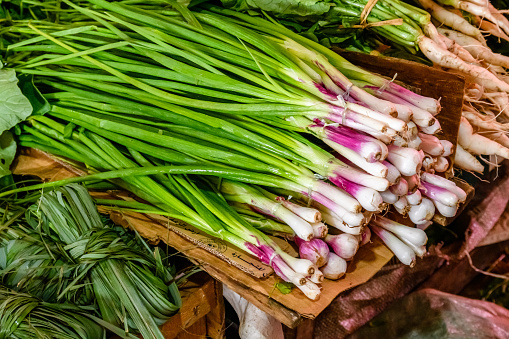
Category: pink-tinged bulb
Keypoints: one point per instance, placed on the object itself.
(315, 250)
(335, 268)
(345, 245)
(365, 236)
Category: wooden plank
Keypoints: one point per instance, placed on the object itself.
(216, 316)
(197, 331)
(198, 299)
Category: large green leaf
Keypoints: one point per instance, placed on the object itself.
(14, 106)
(281, 7)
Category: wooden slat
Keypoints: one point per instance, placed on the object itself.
(216, 317)
(198, 299)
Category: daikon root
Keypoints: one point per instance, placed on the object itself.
(466, 161)
(449, 60)
(475, 48)
(477, 144)
(451, 19)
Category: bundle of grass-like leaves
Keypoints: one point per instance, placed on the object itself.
(61, 251)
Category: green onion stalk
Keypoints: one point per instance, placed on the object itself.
(193, 201)
(193, 111)
(415, 33)
(276, 93)
(63, 253)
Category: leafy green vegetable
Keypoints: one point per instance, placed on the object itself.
(39, 104)
(14, 106)
(284, 287)
(7, 152)
(281, 7)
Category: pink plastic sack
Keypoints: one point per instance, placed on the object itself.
(433, 314)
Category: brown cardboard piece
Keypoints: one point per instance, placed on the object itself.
(240, 271)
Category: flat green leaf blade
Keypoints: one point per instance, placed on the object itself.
(14, 106)
(7, 152)
(281, 7)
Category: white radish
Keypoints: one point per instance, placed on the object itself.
(476, 49)
(477, 144)
(451, 19)
(447, 59)
(466, 161)
(455, 48)
(483, 12)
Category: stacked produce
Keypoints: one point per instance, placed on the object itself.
(236, 126)
(67, 274)
(448, 33)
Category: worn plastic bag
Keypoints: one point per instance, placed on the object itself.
(429, 313)
(254, 323)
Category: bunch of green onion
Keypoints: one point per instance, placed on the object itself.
(62, 253)
(219, 119)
